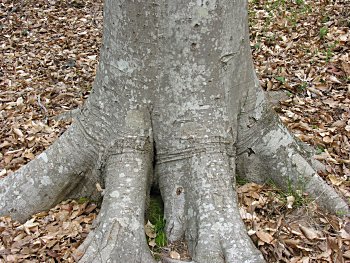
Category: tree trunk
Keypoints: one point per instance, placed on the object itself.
(175, 93)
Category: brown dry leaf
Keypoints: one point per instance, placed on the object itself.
(18, 132)
(27, 226)
(290, 201)
(3, 172)
(335, 79)
(264, 236)
(152, 242)
(346, 67)
(305, 248)
(175, 255)
(309, 233)
(250, 187)
(43, 237)
(29, 155)
(149, 230)
(347, 254)
(335, 180)
(327, 139)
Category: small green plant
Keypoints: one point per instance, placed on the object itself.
(241, 180)
(257, 46)
(156, 217)
(289, 94)
(329, 55)
(281, 79)
(267, 23)
(330, 51)
(293, 20)
(159, 227)
(306, 9)
(278, 3)
(320, 149)
(325, 19)
(302, 86)
(270, 39)
(341, 213)
(294, 189)
(323, 32)
(299, 2)
(83, 200)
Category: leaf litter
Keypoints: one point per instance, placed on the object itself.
(301, 53)
(50, 236)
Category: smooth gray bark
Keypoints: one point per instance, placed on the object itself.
(175, 85)
(119, 231)
(266, 151)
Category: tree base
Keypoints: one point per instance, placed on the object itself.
(201, 205)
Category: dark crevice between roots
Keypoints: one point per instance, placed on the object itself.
(154, 215)
(155, 207)
(160, 248)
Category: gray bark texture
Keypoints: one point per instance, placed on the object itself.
(175, 103)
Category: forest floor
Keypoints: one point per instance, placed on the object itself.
(49, 53)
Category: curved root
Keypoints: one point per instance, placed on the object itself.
(210, 218)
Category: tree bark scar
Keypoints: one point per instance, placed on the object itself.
(250, 151)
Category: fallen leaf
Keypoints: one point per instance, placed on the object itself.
(335, 180)
(346, 68)
(174, 255)
(309, 233)
(152, 242)
(264, 236)
(2, 172)
(18, 132)
(290, 201)
(149, 230)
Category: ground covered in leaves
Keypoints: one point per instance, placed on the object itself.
(49, 53)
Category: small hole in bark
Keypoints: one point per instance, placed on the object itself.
(193, 46)
(250, 151)
(179, 190)
(196, 26)
(252, 119)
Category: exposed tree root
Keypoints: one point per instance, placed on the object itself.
(119, 235)
(197, 187)
(266, 151)
(50, 178)
(201, 204)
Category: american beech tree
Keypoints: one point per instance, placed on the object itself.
(175, 104)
